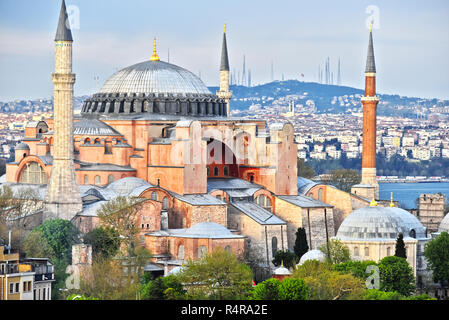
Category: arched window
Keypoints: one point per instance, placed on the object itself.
(154, 196)
(181, 252)
(413, 233)
(108, 147)
(165, 203)
(202, 251)
(356, 251)
(87, 141)
(97, 180)
(33, 173)
(320, 194)
(208, 171)
(228, 249)
(216, 171)
(366, 252)
(251, 177)
(388, 251)
(110, 178)
(226, 171)
(264, 202)
(86, 179)
(274, 246)
(97, 141)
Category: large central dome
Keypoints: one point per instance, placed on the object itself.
(154, 77)
(151, 89)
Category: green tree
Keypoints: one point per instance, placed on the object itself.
(17, 210)
(285, 257)
(301, 246)
(423, 296)
(344, 179)
(356, 268)
(56, 238)
(105, 241)
(60, 235)
(400, 250)
(36, 246)
(293, 289)
(374, 294)
(120, 214)
(305, 170)
(267, 290)
(437, 255)
(109, 279)
(217, 275)
(396, 275)
(80, 297)
(327, 284)
(163, 288)
(335, 251)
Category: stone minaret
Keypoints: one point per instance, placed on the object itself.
(369, 102)
(63, 199)
(224, 92)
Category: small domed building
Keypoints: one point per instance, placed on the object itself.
(312, 255)
(444, 225)
(370, 233)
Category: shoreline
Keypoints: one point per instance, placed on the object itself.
(413, 181)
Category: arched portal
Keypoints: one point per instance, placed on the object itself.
(221, 161)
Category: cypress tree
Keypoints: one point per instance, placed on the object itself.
(301, 245)
(400, 247)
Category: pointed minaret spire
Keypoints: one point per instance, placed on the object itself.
(224, 53)
(370, 62)
(63, 33)
(224, 92)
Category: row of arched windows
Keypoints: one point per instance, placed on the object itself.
(367, 252)
(97, 179)
(202, 250)
(217, 171)
(164, 200)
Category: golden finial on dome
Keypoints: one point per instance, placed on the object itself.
(373, 202)
(225, 28)
(391, 200)
(371, 26)
(155, 57)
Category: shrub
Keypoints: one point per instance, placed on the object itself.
(267, 290)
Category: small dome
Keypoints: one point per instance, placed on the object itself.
(126, 186)
(209, 230)
(380, 223)
(175, 271)
(312, 255)
(444, 225)
(22, 146)
(282, 271)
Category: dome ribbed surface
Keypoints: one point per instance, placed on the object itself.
(154, 77)
(371, 223)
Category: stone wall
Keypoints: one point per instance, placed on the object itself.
(431, 210)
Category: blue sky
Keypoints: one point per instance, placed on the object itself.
(410, 41)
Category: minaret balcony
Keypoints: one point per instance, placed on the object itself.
(370, 99)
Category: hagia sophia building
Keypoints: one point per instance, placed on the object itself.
(208, 180)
